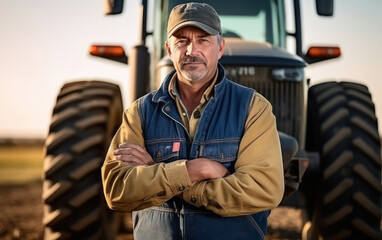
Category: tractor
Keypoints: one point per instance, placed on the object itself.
(328, 131)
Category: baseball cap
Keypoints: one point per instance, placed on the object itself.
(200, 15)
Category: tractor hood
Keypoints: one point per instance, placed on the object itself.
(241, 52)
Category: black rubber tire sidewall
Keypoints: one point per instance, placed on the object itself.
(342, 127)
(85, 118)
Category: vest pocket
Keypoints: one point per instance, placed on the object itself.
(163, 151)
(224, 151)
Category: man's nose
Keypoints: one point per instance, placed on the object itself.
(192, 48)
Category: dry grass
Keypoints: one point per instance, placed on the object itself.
(20, 162)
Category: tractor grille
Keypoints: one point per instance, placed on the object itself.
(287, 98)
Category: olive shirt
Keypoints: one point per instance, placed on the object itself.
(256, 185)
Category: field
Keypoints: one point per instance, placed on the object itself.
(21, 165)
(20, 161)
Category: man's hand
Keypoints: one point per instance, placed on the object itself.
(198, 169)
(202, 169)
(133, 154)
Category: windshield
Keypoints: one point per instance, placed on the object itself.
(261, 20)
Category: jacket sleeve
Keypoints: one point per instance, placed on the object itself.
(130, 187)
(258, 182)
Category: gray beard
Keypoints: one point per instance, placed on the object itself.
(192, 74)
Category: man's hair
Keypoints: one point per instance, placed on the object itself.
(220, 38)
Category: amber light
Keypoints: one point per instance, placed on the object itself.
(324, 52)
(107, 51)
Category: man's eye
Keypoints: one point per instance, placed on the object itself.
(204, 41)
(181, 42)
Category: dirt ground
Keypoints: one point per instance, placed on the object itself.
(21, 215)
(21, 211)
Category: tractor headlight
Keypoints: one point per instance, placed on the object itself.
(288, 74)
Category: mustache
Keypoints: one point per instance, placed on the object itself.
(190, 59)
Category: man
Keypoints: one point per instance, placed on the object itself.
(200, 157)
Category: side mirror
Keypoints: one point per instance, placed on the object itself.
(324, 7)
(112, 7)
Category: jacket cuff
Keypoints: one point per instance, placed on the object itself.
(178, 176)
(194, 194)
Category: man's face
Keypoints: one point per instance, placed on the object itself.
(195, 54)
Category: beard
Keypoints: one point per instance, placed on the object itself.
(193, 73)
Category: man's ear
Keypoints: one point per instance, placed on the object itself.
(221, 48)
(168, 48)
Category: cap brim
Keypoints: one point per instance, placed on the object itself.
(196, 24)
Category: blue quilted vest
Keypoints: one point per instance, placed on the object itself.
(217, 137)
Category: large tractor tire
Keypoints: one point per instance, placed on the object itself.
(85, 118)
(342, 127)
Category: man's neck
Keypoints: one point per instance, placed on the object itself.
(191, 93)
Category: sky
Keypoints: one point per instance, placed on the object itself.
(44, 44)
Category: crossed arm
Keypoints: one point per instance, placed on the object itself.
(198, 169)
(132, 181)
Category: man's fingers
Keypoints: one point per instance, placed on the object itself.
(129, 151)
(134, 153)
(132, 149)
(132, 146)
(130, 159)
